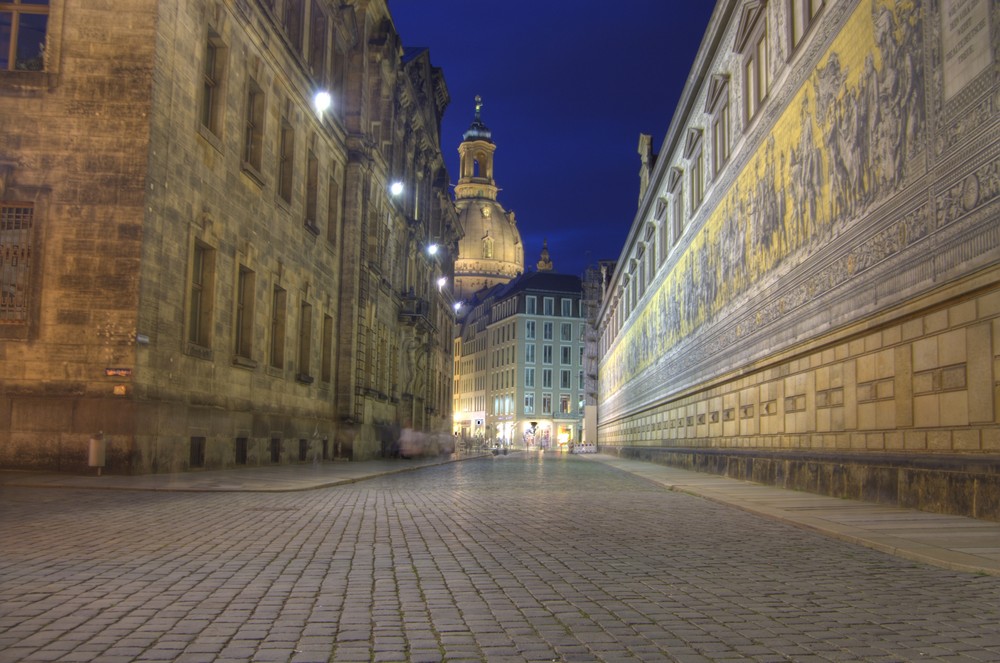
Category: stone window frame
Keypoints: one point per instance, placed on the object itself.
(319, 40)
(694, 152)
(546, 378)
(200, 310)
(753, 44)
(807, 12)
(305, 335)
(675, 189)
(244, 299)
(334, 205)
(212, 97)
(546, 403)
(278, 322)
(18, 9)
(529, 377)
(254, 120)
(720, 121)
(18, 263)
(293, 22)
(285, 156)
(326, 352)
(529, 403)
(312, 189)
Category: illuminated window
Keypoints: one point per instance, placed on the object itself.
(529, 403)
(23, 33)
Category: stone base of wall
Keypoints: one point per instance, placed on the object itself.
(956, 484)
(53, 434)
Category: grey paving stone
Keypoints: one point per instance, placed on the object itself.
(423, 566)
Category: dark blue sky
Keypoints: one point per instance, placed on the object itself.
(567, 87)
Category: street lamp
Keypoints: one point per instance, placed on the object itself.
(321, 102)
(442, 282)
(432, 249)
(396, 188)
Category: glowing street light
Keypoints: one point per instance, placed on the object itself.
(432, 249)
(321, 102)
(442, 282)
(396, 188)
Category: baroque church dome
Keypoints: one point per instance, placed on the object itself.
(491, 251)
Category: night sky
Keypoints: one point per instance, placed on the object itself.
(567, 87)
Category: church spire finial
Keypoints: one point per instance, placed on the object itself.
(479, 106)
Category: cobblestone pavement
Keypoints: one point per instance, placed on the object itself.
(518, 558)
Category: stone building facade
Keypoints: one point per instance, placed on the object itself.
(200, 266)
(809, 294)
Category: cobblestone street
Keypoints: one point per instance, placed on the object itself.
(517, 558)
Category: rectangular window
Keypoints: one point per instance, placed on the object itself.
(546, 403)
(719, 112)
(253, 127)
(547, 331)
(529, 330)
(243, 346)
(326, 369)
(566, 331)
(23, 34)
(564, 404)
(529, 403)
(529, 377)
(318, 42)
(548, 306)
(565, 355)
(546, 378)
(755, 71)
(530, 305)
(676, 214)
(565, 379)
(333, 210)
(305, 341)
(293, 23)
(803, 13)
(546, 354)
(529, 353)
(16, 240)
(213, 74)
(286, 159)
(278, 297)
(312, 191)
(567, 307)
(201, 295)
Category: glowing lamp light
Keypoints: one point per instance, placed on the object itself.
(322, 101)
(442, 282)
(432, 249)
(458, 306)
(396, 188)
